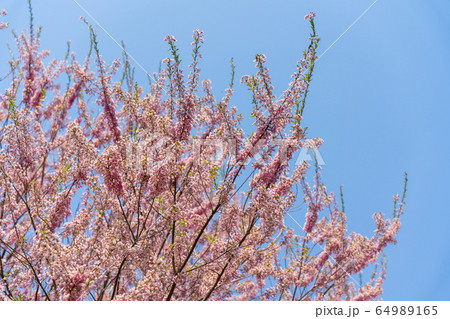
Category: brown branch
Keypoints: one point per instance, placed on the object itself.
(116, 281)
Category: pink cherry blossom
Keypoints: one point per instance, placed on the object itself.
(109, 192)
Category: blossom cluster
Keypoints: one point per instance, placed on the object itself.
(133, 203)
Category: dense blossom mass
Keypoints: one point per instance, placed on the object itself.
(110, 193)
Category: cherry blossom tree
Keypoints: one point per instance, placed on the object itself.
(111, 193)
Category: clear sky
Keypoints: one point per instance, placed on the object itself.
(379, 97)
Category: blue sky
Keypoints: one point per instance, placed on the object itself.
(379, 97)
